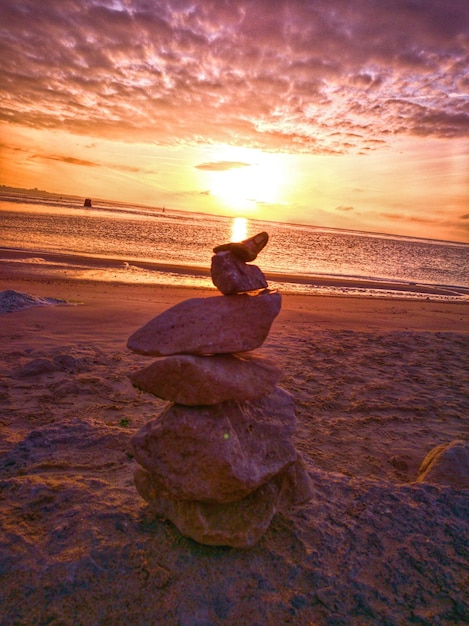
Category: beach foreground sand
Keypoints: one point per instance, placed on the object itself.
(377, 384)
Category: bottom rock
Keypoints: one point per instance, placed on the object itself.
(237, 524)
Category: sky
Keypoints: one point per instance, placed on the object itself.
(337, 113)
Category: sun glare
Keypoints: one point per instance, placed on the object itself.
(239, 229)
(255, 179)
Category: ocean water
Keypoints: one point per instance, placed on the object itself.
(132, 243)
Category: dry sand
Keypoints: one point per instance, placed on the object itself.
(378, 383)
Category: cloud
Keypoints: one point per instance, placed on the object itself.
(221, 166)
(345, 208)
(405, 217)
(85, 163)
(296, 75)
(67, 159)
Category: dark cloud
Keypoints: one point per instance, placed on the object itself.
(345, 208)
(75, 161)
(419, 219)
(67, 159)
(222, 166)
(298, 75)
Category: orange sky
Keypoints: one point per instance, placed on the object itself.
(342, 114)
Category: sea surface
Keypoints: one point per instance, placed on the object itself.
(112, 241)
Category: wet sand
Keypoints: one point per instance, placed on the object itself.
(378, 383)
(22, 264)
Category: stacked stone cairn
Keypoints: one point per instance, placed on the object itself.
(219, 461)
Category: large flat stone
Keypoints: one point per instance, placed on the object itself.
(194, 380)
(238, 524)
(218, 324)
(230, 275)
(218, 453)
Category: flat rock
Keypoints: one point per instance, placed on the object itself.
(218, 453)
(202, 380)
(11, 301)
(218, 324)
(237, 524)
(231, 275)
(447, 464)
(246, 250)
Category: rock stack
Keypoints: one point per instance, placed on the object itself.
(219, 460)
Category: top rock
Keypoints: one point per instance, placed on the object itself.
(246, 250)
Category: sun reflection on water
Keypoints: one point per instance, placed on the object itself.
(239, 229)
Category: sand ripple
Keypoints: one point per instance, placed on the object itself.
(372, 547)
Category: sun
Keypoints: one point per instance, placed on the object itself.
(247, 182)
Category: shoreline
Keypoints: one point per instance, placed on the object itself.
(21, 263)
(322, 312)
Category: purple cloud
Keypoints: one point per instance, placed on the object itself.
(286, 75)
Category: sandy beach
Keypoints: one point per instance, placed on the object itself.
(378, 383)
